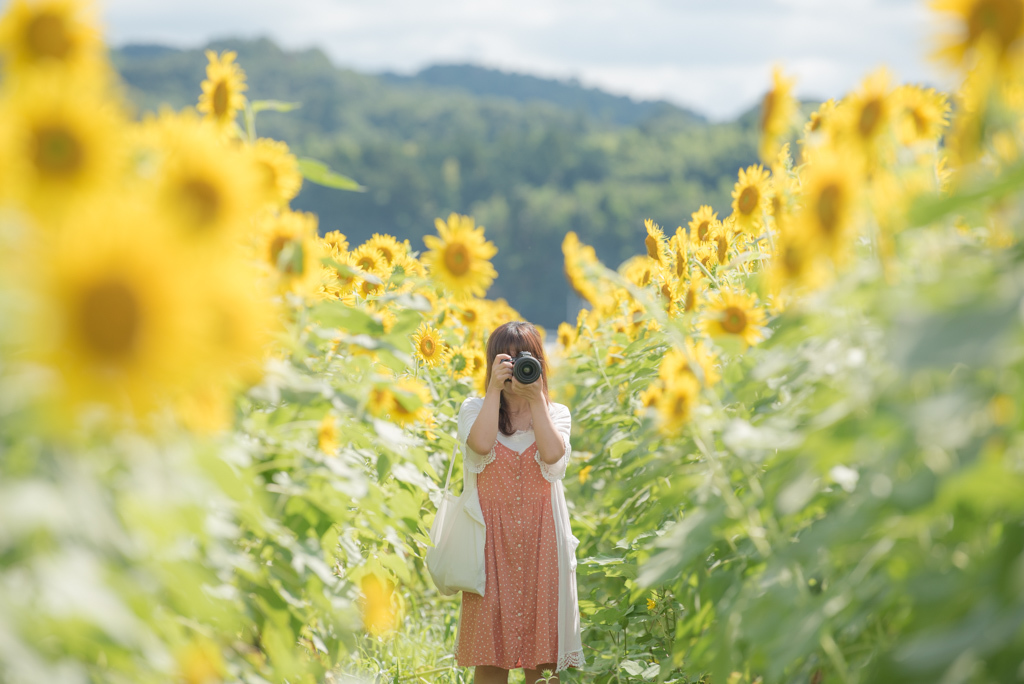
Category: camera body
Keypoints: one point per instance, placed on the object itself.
(526, 368)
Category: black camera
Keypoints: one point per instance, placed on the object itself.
(526, 368)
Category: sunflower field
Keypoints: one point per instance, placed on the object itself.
(798, 432)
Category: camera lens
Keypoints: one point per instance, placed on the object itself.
(526, 368)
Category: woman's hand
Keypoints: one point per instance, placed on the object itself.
(533, 392)
(501, 371)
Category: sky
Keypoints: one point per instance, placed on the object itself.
(715, 57)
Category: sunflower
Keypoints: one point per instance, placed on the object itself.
(460, 258)
(222, 90)
(680, 257)
(205, 186)
(117, 310)
(864, 117)
(580, 258)
(473, 314)
(458, 361)
(427, 345)
(389, 248)
(676, 402)
(60, 143)
(830, 196)
(996, 25)
(649, 396)
(750, 199)
(478, 367)
(339, 282)
(327, 434)
(49, 33)
(639, 270)
(722, 238)
(818, 124)
(796, 262)
(655, 243)
(566, 335)
(923, 114)
(278, 169)
(405, 270)
(677, 362)
(380, 401)
(700, 224)
(734, 313)
(777, 110)
(335, 243)
(411, 401)
(369, 259)
(289, 247)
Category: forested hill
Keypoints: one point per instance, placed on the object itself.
(527, 167)
(594, 103)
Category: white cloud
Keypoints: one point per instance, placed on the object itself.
(715, 57)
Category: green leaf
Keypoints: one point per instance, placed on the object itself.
(273, 106)
(621, 447)
(338, 315)
(317, 172)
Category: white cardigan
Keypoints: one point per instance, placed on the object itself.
(570, 643)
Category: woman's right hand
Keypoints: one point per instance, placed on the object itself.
(501, 371)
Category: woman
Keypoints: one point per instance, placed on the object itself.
(517, 441)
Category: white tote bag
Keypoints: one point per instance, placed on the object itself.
(456, 561)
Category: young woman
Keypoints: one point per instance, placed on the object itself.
(517, 441)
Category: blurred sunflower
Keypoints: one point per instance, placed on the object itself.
(680, 257)
(796, 262)
(459, 258)
(566, 335)
(336, 243)
(722, 238)
(473, 314)
(368, 258)
(222, 90)
(327, 434)
(750, 199)
(47, 33)
(390, 249)
(405, 270)
(655, 243)
(984, 24)
(677, 362)
(817, 126)
(734, 313)
(865, 116)
(427, 345)
(676, 402)
(700, 224)
(378, 605)
(578, 258)
(278, 170)
(206, 187)
(380, 401)
(411, 401)
(289, 246)
(777, 110)
(923, 114)
(117, 310)
(458, 361)
(831, 187)
(638, 270)
(60, 143)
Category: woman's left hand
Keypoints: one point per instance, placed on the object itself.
(533, 392)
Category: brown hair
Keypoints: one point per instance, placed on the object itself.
(515, 336)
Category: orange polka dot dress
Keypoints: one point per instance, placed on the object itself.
(515, 624)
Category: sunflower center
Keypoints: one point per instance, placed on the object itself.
(459, 362)
(828, 207)
(276, 247)
(748, 200)
(920, 121)
(870, 116)
(366, 263)
(652, 247)
(645, 278)
(427, 347)
(1002, 18)
(221, 99)
(109, 320)
(47, 36)
(690, 301)
(388, 255)
(723, 248)
(200, 203)
(457, 259)
(734, 320)
(57, 151)
(702, 230)
(469, 316)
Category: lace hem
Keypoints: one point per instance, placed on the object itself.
(553, 472)
(470, 461)
(573, 659)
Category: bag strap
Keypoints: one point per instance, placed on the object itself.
(450, 466)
